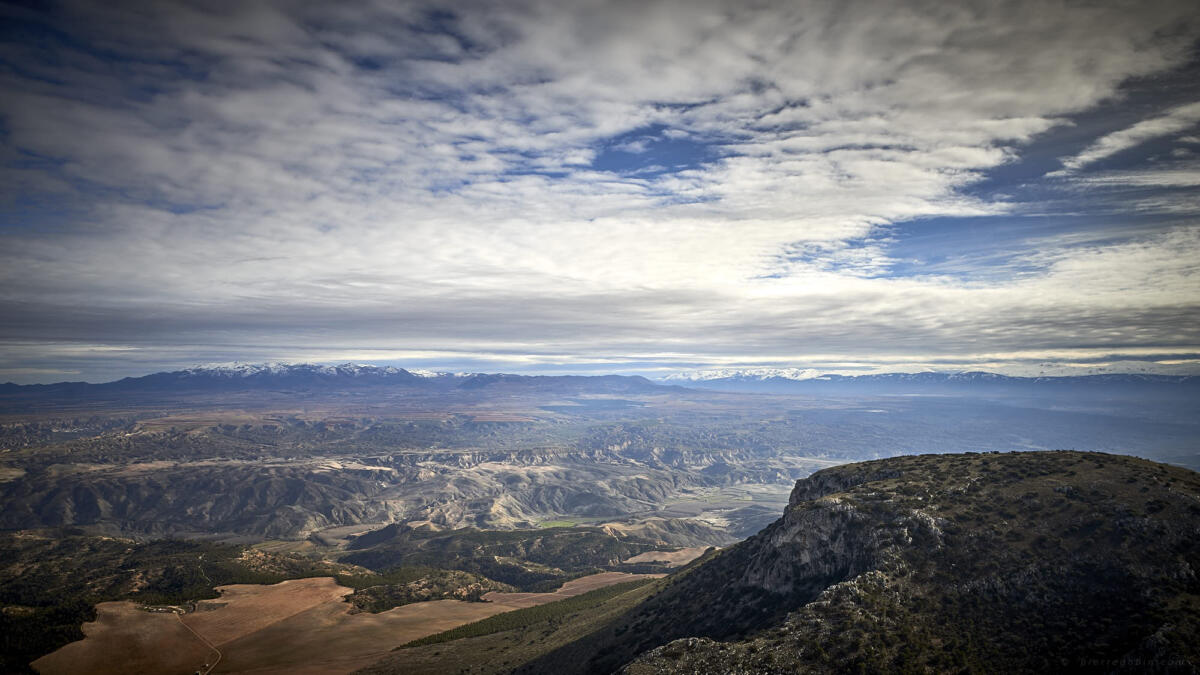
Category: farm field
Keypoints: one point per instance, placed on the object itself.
(672, 558)
(255, 629)
(125, 639)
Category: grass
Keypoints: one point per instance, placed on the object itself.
(521, 618)
(506, 650)
(557, 523)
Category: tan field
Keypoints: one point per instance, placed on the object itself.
(299, 626)
(574, 587)
(124, 640)
(673, 558)
(246, 608)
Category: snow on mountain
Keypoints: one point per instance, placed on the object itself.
(421, 372)
(278, 369)
(804, 374)
(745, 374)
(232, 370)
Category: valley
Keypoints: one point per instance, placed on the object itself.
(650, 337)
(401, 499)
(284, 459)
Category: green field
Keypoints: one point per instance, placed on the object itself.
(525, 637)
(523, 618)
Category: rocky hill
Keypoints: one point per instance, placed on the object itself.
(1018, 562)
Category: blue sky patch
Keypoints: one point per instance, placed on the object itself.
(653, 150)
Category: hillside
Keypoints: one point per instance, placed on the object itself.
(529, 559)
(52, 580)
(971, 562)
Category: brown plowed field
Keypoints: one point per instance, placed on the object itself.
(124, 640)
(246, 608)
(673, 558)
(299, 626)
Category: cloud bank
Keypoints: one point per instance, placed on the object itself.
(592, 186)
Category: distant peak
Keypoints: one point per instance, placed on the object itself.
(795, 379)
(745, 373)
(276, 368)
(421, 372)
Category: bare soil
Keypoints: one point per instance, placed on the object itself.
(673, 558)
(243, 609)
(299, 626)
(125, 639)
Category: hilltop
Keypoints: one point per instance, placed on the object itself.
(1013, 562)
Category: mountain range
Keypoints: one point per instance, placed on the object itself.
(308, 377)
(796, 381)
(283, 376)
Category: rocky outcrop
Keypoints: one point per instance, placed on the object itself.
(1019, 562)
(753, 585)
(825, 483)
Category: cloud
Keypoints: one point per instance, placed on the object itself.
(1174, 121)
(280, 177)
(1172, 177)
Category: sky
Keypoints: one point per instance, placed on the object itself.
(635, 187)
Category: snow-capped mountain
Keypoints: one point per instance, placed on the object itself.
(421, 372)
(270, 375)
(317, 378)
(743, 373)
(277, 369)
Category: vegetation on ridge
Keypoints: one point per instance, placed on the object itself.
(1020, 562)
(531, 560)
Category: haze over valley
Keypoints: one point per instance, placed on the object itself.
(291, 451)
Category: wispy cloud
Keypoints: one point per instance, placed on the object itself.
(1172, 177)
(1174, 121)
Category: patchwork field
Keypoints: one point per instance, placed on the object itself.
(255, 629)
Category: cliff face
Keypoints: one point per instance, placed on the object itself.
(822, 539)
(995, 563)
(818, 540)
